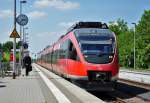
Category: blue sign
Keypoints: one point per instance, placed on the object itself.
(22, 20)
(25, 45)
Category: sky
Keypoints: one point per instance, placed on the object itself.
(49, 19)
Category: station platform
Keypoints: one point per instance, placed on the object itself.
(21, 90)
(141, 77)
(42, 86)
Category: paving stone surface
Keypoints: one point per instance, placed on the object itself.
(21, 90)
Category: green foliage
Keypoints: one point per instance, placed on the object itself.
(143, 40)
(17, 57)
(125, 45)
(18, 45)
(6, 56)
(125, 39)
(120, 26)
(7, 46)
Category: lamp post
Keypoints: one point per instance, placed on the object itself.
(134, 44)
(24, 33)
(26, 37)
(24, 29)
(21, 48)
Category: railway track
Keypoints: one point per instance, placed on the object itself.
(109, 97)
(117, 100)
(121, 95)
(135, 83)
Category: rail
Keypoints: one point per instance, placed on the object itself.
(119, 100)
(135, 83)
(116, 99)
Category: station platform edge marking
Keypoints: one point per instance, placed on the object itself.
(60, 97)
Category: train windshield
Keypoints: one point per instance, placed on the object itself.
(97, 47)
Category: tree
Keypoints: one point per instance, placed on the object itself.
(124, 39)
(143, 40)
(7, 46)
(125, 45)
(120, 26)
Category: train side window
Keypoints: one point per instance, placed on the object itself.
(64, 49)
(73, 52)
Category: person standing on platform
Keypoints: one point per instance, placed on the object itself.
(27, 64)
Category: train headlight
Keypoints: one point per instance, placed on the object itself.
(110, 58)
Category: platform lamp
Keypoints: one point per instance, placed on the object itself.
(24, 31)
(134, 44)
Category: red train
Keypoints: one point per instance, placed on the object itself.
(87, 54)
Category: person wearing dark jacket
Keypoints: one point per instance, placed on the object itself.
(27, 64)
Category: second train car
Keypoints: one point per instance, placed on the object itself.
(87, 54)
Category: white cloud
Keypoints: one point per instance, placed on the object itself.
(67, 24)
(43, 34)
(5, 36)
(5, 13)
(44, 39)
(57, 4)
(36, 14)
(41, 3)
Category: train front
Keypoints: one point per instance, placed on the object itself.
(100, 58)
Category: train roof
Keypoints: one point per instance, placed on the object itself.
(85, 25)
(79, 25)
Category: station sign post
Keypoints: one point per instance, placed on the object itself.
(22, 20)
(14, 35)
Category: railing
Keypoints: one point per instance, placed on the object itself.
(6, 69)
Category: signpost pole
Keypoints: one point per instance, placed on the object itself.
(14, 35)
(14, 44)
(20, 54)
(14, 59)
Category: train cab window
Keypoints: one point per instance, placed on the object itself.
(97, 45)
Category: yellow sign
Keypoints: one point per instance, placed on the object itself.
(14, 34)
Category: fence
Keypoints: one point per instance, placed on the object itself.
(6, 69)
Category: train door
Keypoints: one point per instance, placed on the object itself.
(54, 59)
(72, 59)
(63, 58)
